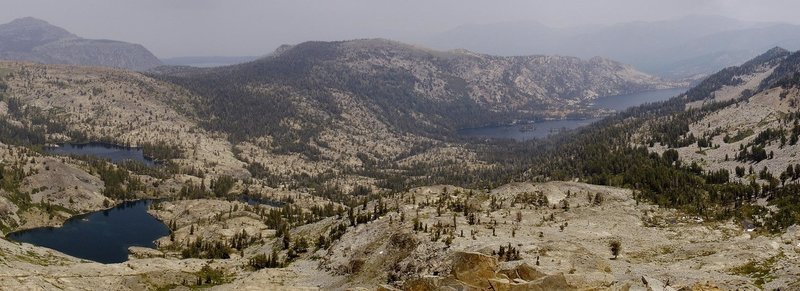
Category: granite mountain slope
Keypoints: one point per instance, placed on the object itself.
(749, 125)
(330, 235)
(405, 88)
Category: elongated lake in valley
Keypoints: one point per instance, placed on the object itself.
(540, 129)
(112, 152)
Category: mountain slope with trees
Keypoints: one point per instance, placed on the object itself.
(724, 150)
(406, 89)
(341, 141)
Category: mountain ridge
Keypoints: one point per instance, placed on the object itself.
(691, 46)
(32, 39)
(410, 88)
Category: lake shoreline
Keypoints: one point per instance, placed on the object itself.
(249, 200)
(532, 122)
(525, 130)
(62, 238)
(70, 149)
(78, 215)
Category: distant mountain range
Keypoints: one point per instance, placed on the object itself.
(31, 39)
(691, 46)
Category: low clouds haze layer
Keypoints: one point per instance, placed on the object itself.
(173, 28)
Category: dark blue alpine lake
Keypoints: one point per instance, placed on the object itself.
(115, 153)
(102, 236)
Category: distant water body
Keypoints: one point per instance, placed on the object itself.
(541, 129)
(115, 153)
(622, 102)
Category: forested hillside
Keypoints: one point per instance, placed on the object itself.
(690, 152)
(408, 89)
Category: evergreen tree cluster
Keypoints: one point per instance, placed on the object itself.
(161, 151)
(507, 253)
(202, 249)
(262, 261)
(219, 187)
(535, 199)
(118, 182)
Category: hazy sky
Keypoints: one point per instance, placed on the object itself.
(255, 27)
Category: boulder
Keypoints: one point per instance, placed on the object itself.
(143, 253)
(584, 261)
(500, 284)
(524, 272)
(590, 280)
(474, 268)
(422, 283)
(654, 284)
(519, 281)
(792, 233)
(552, 282)
(450, 283)
(428, 283)
(701, 287)
(622, 286)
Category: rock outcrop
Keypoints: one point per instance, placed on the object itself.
(476, 271)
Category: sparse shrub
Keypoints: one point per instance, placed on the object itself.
(615, 246)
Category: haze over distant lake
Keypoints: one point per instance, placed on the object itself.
(523, 132)
(622, 102)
